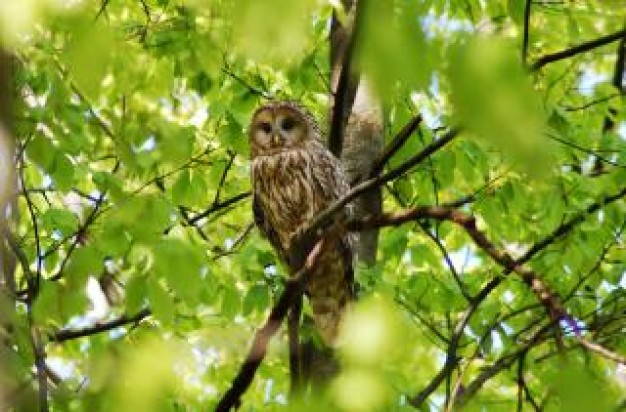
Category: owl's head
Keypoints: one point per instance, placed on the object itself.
(279, 126)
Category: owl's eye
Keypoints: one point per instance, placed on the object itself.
(265, 127)
(287, 124)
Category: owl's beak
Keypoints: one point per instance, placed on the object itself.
(276, 139)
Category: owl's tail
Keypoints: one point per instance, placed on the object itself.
(330, 288)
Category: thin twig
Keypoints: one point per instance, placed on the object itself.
(526, 30)
(591, 103)
(69, 334)
(451, 358)
(219, 206)
(102, 9)
(396, 143)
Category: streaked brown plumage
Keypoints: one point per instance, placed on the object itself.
(294, 177)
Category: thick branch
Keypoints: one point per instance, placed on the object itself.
(572, 51)
(346, 87)
(295, 357)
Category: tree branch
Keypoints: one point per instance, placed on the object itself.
(526, 30)
(69, 334)
(40, 363)
(218, 206)
(346, 86)
(451, 359)
(395, 145)
(569, 225)
(552, 304)
(501, 364)
(324, 218)
(293, 290)
(572, 51)
(295, 367)
(468, 223)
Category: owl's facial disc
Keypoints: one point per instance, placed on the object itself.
(276, 129)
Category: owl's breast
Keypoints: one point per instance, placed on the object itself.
(289, 189)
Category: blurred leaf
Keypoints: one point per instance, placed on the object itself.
(88, 54)
(144, 217)
(85, 261)
(278, 37)
(161, 303)
(579, 391)
(393, 47)
(180, 264)
(41, 151)
(63, 220)
(257, 299)
(511, 118)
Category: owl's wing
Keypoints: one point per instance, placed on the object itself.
(266, 228)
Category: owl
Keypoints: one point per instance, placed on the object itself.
(294, 177)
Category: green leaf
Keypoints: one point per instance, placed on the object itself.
(231, 303)
(394, 48)
(46, 307)
(62, 172)
(179, 263)
(113, 240)
(62, 220)
(109, 183)
(257, 299)
(516, 11)
(87, 55)
(511, 118)
(161, 303)
(85, 261)
(281, 38)
(41, 151)
(136, 293)
(181, 188)
(144, 217)
(233, 138)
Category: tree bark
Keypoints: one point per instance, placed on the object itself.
(8, 383)
(363, 136)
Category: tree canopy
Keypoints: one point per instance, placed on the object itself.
(133, 277)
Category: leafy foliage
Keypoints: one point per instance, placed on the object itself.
(139, 280)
